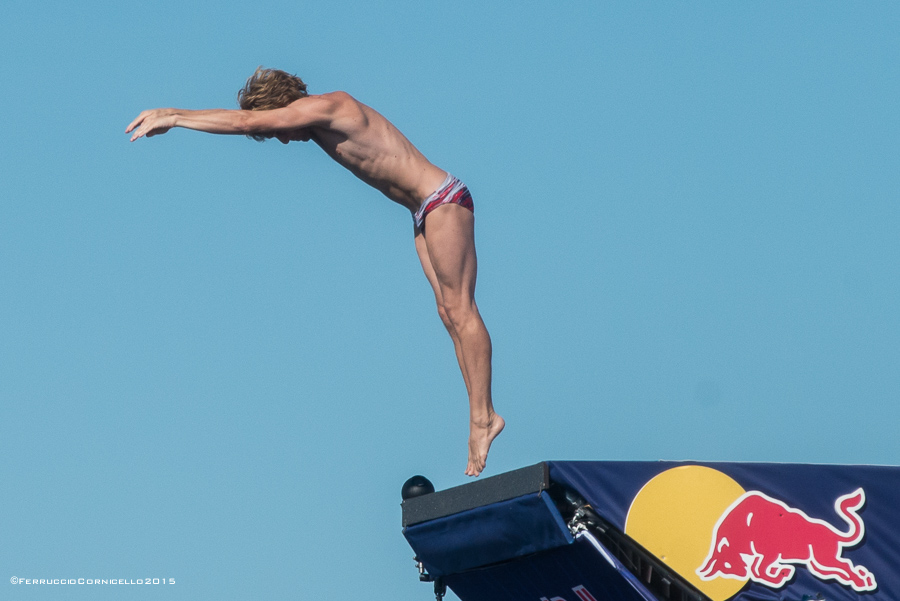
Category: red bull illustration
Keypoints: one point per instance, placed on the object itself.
(761, 539)
(726, 539)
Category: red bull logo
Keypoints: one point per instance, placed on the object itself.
(721, 537)
(761, 539)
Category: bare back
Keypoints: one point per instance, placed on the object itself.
(370, 147)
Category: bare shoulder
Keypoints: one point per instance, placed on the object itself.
(320, 109)
(329, 102)
(338, 96)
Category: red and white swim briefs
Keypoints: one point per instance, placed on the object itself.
(452, 190)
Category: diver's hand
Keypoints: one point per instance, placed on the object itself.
(152, 123)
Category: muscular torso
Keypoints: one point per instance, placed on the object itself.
(370, 147)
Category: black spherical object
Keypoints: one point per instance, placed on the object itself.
(416, 487)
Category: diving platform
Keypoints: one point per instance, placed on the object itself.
(661, 531)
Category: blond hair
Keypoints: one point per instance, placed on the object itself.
(269, 89)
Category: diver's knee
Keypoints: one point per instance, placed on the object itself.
(459, 314)
(445, 318)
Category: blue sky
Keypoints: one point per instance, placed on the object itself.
(219, 360)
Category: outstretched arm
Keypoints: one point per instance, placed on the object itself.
(305, 112)
(215, 121)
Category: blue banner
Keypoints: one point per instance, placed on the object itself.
(756, 532)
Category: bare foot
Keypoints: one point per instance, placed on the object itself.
(480, 438)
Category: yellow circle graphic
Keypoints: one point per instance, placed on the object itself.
(673, 517)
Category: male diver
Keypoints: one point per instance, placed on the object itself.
(275, 104)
